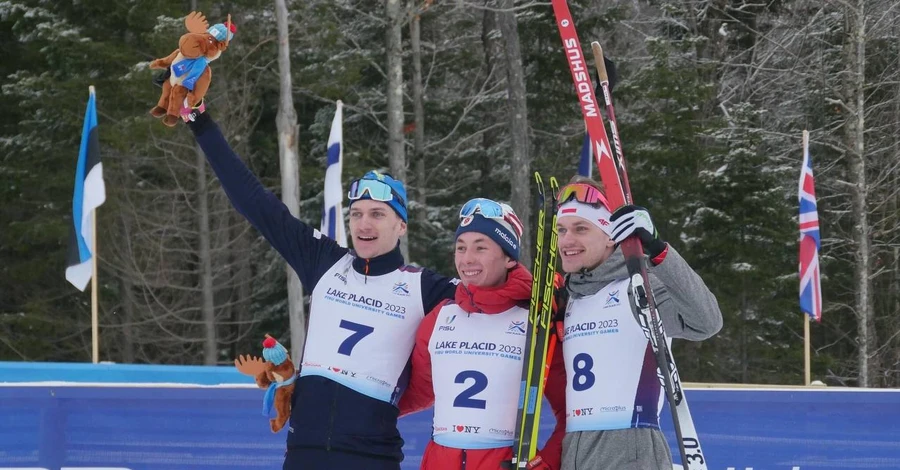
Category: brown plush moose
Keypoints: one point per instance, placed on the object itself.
(275, 373)
(190, 72)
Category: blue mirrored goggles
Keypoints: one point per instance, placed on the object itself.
(486, 207)
(376, 190)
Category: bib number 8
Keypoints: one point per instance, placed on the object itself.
(583, 378)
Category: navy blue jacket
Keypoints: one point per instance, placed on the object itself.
(325, 414)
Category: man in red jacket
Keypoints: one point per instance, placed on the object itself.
(468, 356)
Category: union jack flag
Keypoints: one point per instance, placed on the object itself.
(810, 242)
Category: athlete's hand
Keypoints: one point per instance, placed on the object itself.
(190, 113)
(634, 221)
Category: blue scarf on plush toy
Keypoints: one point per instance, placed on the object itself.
(275, 353)
(269, 397)
(192, 69)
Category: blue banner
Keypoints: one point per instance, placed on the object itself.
(162, 425)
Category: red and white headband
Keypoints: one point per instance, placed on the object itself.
(598, 216)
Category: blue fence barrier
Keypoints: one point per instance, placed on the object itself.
(80, 416)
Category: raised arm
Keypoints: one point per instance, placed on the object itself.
(687, 307)
(307, 251)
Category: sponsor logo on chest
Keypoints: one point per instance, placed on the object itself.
(338, 370)
(401, 289)
(467, 429)
(447, 324)
(582, 412)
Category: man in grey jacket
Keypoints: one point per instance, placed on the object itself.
(613, 395)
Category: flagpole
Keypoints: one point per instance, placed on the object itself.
(95, 327)
(806, 347)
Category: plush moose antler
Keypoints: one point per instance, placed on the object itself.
(196, 23)
(250, 365)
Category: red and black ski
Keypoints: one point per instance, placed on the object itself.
(615, 179)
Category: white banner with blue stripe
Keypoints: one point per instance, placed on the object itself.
(332, 215)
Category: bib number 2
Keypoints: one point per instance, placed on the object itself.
(465, 399)
(359, 332)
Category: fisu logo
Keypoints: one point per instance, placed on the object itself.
(448, 321)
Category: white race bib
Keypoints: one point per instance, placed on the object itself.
(476, 364)
(610, 367)
(362, 328)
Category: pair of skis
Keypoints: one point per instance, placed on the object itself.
(538, 332)
(618, 193)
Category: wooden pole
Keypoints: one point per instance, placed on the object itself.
(95, 340)
(806, 347)
(95, 327)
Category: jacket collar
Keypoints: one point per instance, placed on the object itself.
(588, 282)
(498, 299)
(379, 265)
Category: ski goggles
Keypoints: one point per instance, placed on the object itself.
(583, 193)
(486, 207)
(491, 209)
(376, 191)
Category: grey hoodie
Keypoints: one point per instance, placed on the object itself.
(688, 310)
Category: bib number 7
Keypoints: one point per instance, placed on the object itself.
(359, 332)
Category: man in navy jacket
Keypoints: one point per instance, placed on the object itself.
(366, 305)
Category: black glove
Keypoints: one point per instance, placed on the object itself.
(634, 220)
(160, 77)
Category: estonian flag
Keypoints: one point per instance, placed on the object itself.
(90, 193)
(333, 214)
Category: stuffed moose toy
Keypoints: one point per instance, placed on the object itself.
(190, 74)
(275, 373)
